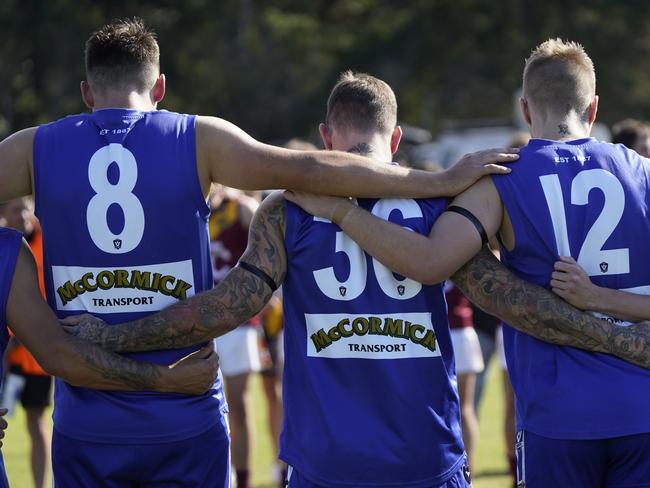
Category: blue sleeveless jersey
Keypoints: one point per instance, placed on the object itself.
(369, 385)
(589, 200)
(9, 247)
(124, 235)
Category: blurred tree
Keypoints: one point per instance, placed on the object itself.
(268, 65)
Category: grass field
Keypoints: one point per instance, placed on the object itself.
(490, 472)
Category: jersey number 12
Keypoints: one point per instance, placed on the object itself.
(595, 260)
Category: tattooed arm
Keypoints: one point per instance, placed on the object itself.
(539, 313)
(83, 364)
(210, 314)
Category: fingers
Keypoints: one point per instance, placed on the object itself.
(561, 285)
(205, 351)
(568, 259)
(561, 293)
(567, 267)
(74, 319)
(72, 330)
(495, 169)
(498, 155)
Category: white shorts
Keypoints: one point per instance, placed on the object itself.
(467, 351)
(500, 351)
(239, 351)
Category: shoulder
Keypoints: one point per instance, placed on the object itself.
(274, 203)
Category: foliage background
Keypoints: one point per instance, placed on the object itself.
(268, 65)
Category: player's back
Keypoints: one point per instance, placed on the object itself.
(124, 234)
(589, 200)
(369, 385)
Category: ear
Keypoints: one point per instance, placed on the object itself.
(395, 139)
(593, 110)
(158, 90)
(525, 111)
(326, 136)
(87, 94)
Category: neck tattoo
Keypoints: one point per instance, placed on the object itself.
(363, 149)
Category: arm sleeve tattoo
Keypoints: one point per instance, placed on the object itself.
(212, 313)
(541, 314)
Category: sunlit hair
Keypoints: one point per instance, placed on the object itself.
(362, 103)
(122, 54)
(559, 77)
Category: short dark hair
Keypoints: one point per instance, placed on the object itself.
(628, 132)
(121, 54)
(361, 102)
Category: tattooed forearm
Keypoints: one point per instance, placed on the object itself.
(105, 370)
(541, 314)
(210, 314)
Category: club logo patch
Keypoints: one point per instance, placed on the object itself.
(604, 266)
(343, 290)
(401, 289)
(117, 243)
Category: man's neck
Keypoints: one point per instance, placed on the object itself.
(561, 128)
(132, 100)
(371, 149)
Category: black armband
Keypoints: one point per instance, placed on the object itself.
(472, 218)
(259, 273)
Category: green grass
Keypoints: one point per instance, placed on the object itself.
(491, 462)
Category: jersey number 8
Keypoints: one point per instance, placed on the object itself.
(121, 194)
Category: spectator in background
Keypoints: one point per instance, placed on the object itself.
(25, 378)
(469, 363)
(632, 134)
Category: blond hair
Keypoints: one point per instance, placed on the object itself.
(362, 102)
(559, 77)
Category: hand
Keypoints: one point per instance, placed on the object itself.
(195, 373)
(85, 326)
(474, 166)
(333, 209)
(3, 424)
(570, 282)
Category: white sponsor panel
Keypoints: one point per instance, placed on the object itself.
(118, 291)
(639, 290)
(357, 341)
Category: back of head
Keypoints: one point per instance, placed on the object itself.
(122, 55)
(628, 131)
(361, 103)
(559, 78)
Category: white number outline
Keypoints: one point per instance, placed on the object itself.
(595, 260)
(107, 194)
(356, 282)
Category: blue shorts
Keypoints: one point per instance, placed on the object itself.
(460, 479)
(201, 461)
(620, 462)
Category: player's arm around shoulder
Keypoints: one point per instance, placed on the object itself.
(238, 297)
(472, 218)
(84, 364)
(227, 155)
(16, 164)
